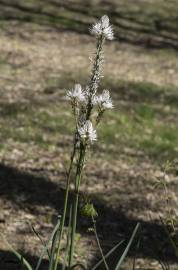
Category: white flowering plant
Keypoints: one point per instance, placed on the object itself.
(88, 107)
(84, 102)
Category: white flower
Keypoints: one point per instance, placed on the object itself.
(76, 93)
(96, 29)
(108, 33)
(104, 100)
(105, 21)
(103, 28)
(86, 131)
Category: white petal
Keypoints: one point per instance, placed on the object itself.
(87, 131)
(105, 21)
(108, 33)
(106, 94)
(78, 87)
(103, 27)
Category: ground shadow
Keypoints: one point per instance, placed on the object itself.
(113, 224)
(8, 261)
(143, 24)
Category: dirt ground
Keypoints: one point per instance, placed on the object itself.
(37, 64)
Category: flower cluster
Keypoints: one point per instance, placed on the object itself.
(79, 98)
(104, 100)
(87, 132)
(103, 28)
(76, 94)
(88, 210)
(85, 100)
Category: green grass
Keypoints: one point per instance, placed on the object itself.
(141, 130)
(141, 124)
(40, 125)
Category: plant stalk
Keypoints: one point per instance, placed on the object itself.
(75, 200)
(93, 88)
(61, 228)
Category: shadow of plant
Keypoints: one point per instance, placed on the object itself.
(8, 261)
(113, 224)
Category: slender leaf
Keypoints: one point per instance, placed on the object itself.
(68, 240)
(23, 261)
(137, 248)
(170, 238)
(107, 255)
(45, 249)
(127, 247)
(40, 238)
(53, 247)
(99, 245)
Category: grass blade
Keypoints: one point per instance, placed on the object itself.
(107, 255)
(53, 247)
(68, 239)
(137, 248)
(45, 249)
(127, 247)
(175, 248)
(99, 245)
(23, 261)
(40, 238)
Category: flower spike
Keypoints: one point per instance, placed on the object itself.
(103, 28)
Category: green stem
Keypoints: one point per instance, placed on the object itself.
(61, 228)
(93, 88)
(75, 201)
